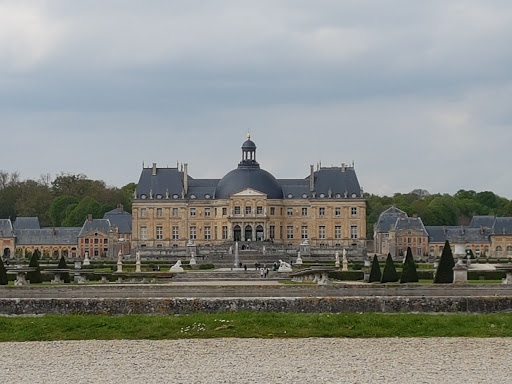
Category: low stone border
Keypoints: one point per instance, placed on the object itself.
(382, 304)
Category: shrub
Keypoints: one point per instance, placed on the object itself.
(3, 273)
(425, 274)
(347, 275)
(389, 275)
(375, 273)
(409, 274)
(444, 272)
(62, 265)
(206, 266)
(35, 276)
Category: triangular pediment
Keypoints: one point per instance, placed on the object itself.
(249, 192)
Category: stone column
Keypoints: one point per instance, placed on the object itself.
(460, 273)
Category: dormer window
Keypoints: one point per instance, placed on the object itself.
(143, 196)
(175, 196)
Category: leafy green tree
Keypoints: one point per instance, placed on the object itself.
(444, 272)
(62, 265)
(58, 208)
(35, 276)
(3, 273)
(375, 273)
(389, 275)
(88, 205)
(409, 273)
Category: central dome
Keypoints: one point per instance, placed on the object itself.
(248, 175)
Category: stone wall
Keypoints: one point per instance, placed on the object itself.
(165, 306)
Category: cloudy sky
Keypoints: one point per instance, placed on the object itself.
(417, 93)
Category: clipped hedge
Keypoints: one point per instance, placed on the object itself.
(206, 266)
(347, 275)
(425, 274)
(486, 275)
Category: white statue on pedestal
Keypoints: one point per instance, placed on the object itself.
(86, 258)
(192, 258)
(284, 266)
(337, 257)
(137, 261)
(345, 261)
(299, 259)
(120, 262)
(177, 267)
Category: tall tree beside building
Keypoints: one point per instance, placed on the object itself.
(62, 265)
(375, 273)
(389, 275)
(409, 273)
(444, 272)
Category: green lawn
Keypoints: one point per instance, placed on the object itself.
(258, 325)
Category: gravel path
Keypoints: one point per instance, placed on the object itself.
(432, 360)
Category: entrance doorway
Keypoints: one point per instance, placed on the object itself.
(259, 233)
(6, 253)
(237, 233)
(248, 233)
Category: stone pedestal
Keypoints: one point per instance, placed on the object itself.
(86, 259)
(460, 273)
(305, 248)
(119, 266)
(192, 260)
(137, 266)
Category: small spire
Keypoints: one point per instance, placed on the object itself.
(248, 135)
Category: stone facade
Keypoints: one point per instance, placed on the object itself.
(171, 209)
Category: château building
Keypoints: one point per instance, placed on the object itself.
(170, 208)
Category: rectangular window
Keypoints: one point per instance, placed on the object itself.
(96, 241)
(192, 212)
(272, 211)
(259, 210)
(207, 233)
(419, 240)
(207, 212)
(224, 211)
(304, 212)
(159, 212)
(105, 241)
(321, 212)
(289, 232)
(409, 240)
(224, 232)
(193, 233)
(175, 233)
(337, 232)
(304, 232)
(248, 210)
(353, 211)
(105, 251)
(337, 211)
(143, 233)
(143, 212)
(418, 251)
(289, 211)
(237, 210)
(96, 252)
(321, 232)
(272, 231)
(353, 232)
(159, 232)
(175, 212)
(86, 241)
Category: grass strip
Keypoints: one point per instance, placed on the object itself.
(254, 325)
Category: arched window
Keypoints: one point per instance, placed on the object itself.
(499, 250)
(509, 250)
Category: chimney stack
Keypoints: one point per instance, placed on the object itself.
(154, 169)
(312, 178)
(185, 178)
(89, 217)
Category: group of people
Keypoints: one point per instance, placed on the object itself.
(263, 271)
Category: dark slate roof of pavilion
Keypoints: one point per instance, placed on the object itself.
(169, 181)
(26, 223)
(47, 236)
(95, 225)
(340, 181)
(387, 219)
(6, 229)
(457, 234)
(484, 221)
(121, 219)
(502, 226)
(410, 224)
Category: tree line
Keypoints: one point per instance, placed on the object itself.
(64, 201)
(438, 209)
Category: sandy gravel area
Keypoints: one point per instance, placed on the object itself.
(316, 360)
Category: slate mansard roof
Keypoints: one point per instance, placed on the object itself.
(121, 219)
(458, 234)
(169, 183)
(6, 229)
(47, 236)
(26, 223)
(387, 219)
